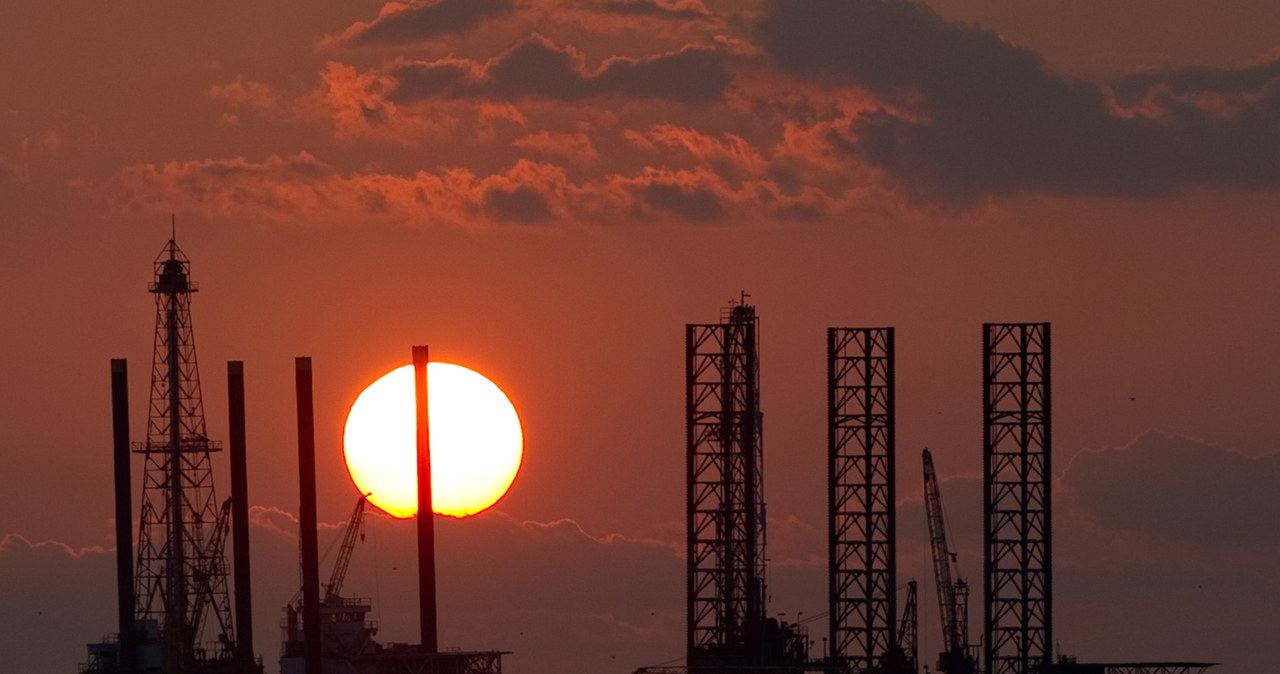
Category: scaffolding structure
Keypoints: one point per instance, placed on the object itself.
(181, 579)
(725, 492)
(860, 497)
(1018, 573)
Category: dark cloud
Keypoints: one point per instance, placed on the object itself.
(969, 115)
(537, 68)
(693, 203)
(518, 204)
(1197, 79)
(655, 8)
(1179, 489)
(425, 20)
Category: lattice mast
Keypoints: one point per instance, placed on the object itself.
(953, 591)
(860, 495)
(182, 572)
(1018, 574)
(909, 629)
(726, 537)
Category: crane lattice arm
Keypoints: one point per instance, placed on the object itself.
(355, 528)
(211, 571)
(942, 558)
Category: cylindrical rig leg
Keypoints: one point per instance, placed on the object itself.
(124, 513)
(240, 516)
(426, 517)
(307, 517)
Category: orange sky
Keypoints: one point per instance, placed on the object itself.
(546, 191)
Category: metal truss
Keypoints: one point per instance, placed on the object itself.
(1018, 606)
(182, 571)
(860, 493)
(447, 662)
(909, 629)
(1070, 666)
(724, 490)
(1158, 668)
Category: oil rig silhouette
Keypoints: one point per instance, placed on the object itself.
(175, 612)
(178, 591)
(728, 629)
(174, 609)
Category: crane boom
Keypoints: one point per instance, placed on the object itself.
(355, 527)
(941, 555)
(211, 571)
(953, 596)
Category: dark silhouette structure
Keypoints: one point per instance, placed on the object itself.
(307, 533)
(1018, 560)
(727, 629)
(860, 497)
(334, 635)
(127, 657)
(953, 591)
(244, 653)
(178, 588)
(426, 516)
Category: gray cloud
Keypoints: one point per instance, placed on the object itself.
(1179, 489)
(518, 204)
(537, 68)
(694, 203)
(1197, 79)
(986, 118)
(426, 20)
(654, 8)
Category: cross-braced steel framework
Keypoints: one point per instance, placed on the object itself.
(182, 572)
(1018, 606)
(725, 488)
(860, 493)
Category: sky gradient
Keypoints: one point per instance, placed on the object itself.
(546, 191)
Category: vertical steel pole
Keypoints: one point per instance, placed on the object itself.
(307, 516)
(240, 515)
(426, 516)
(124, 513)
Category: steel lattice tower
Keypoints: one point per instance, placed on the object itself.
(1018, 589)
(860, 496)
(182, 573)
(725, 492)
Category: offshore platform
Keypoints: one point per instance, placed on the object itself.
(727, 629)
(174, 608)
(329, 633)
(175, 613)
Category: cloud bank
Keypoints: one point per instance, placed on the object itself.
(967, 115)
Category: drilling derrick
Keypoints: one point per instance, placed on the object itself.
(181, 575)
(1018, 590)
(860, 497)
(953, 596)
(725, 504)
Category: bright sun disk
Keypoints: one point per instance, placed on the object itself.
(476, 441)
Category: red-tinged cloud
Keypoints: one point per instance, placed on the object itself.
(730, 156)
(300, 188)
(575, 147)
(536, 68)
(242, 92)
(417, 21)
(360, 108)
(967, 115)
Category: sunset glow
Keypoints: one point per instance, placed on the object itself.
(476, 442)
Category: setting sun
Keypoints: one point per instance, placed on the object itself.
(476, 442)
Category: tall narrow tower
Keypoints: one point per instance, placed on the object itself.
(1018, 583)
(182, 572)
(860, 498)
(725, 493)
